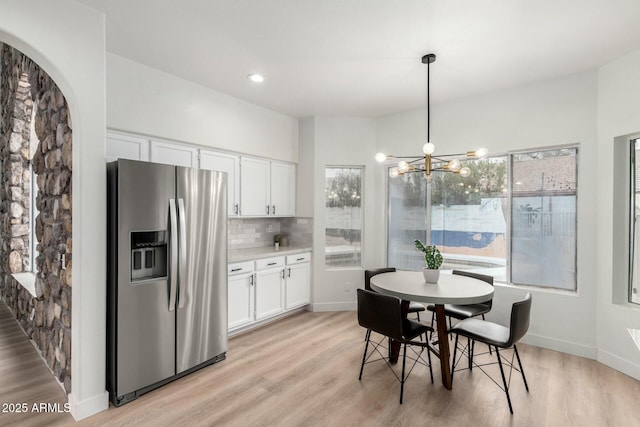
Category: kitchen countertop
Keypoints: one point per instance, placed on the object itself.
(264, 252)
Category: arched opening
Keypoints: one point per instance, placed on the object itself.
(35, 207)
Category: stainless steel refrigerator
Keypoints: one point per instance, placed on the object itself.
(167, 274)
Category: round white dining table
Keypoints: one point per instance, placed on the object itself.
(450, 289)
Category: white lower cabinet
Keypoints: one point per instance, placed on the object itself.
(267, 287)
(240, 295)
(297, 281)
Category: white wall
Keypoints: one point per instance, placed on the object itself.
(552, 112)
(338, 141)
(144, 100)
(67, 40)
(618, 114)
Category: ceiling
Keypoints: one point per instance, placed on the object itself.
(362, 57)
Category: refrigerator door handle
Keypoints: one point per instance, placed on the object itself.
(173, 238)
(183, 253)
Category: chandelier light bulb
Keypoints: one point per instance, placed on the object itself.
(481, 152)
(393, 173)
(454, 165)
(403, 166)
(428, 148)
(381, 157)
(465, 172)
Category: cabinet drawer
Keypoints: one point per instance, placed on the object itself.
(262, 264)
(240, 267)
(298, 258)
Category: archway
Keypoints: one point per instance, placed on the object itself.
(44, 311)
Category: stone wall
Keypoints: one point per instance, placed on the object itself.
(46, 318)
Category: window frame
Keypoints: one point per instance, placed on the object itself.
(362, 170)
(634, 146)
(509, 226)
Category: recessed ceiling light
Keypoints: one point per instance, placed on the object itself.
(255, 77)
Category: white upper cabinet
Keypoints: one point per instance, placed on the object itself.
(121, 146)
(267, 188)
(230, 164)
(255, 199)
(283, 189)
(174, 154)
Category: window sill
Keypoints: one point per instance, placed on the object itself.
(27, 281)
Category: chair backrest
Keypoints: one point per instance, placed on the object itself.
(368, 274)
(380, 313)
(483, 277)
(520, 314)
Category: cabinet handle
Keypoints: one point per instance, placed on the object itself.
(289, 272)
(233, 270)
(273, 209)
(283, 274)
(251, 279)
(236, 209)
(299, 259)
(267, 209)
(272, 263)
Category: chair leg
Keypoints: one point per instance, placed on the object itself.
(433, 318)
(430, 370)
(488, 345)
(504, 380)
(404, 362)
(471, 344)
(453, 364)
(450, 337)
(364, 356)
(520, 365)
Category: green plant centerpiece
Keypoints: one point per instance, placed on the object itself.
(432, 260)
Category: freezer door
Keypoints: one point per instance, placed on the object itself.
(202, 276)
(145, 336)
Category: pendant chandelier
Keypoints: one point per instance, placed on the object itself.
(425, 162)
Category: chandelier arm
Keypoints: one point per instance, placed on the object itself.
(442, 157)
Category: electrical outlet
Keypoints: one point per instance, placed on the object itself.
(347, 286)
(270, 228)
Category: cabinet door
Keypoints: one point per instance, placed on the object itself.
(254, 187)
(283, 189)
(231, 165)
(297, 285)
(126, 147)
(240, 300)
(174, 154)
(269, 293)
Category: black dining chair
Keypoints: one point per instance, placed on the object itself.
(497, 336)
(382, 314)
(462, 312)
(414, 307)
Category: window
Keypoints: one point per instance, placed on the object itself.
(343, 206)
(514, 218)
(407, 220)
(543, 218)
(468, 217)
(634, 258)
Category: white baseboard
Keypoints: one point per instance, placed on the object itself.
(334, 306)
(83, 409)
(562, 346)
(619, 364)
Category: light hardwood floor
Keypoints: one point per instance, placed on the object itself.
(303, 371)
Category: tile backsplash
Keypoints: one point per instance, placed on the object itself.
(248, 233)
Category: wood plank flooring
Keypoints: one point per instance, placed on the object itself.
(303, 371)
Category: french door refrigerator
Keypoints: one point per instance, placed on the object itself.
(167, 274)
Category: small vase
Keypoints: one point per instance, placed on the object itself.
(431, 275)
